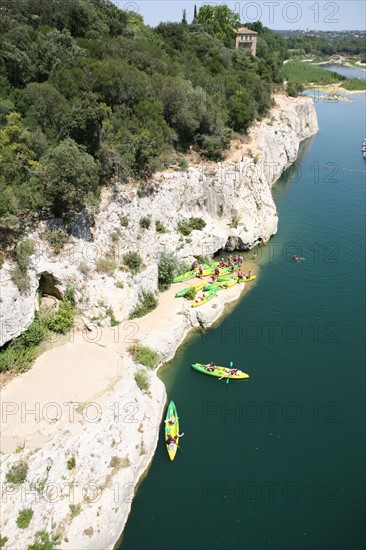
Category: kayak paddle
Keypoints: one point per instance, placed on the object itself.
(228, 379)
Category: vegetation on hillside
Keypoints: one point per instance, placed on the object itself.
(326, 43)
(89, 94)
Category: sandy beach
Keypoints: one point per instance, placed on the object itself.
(87, 367)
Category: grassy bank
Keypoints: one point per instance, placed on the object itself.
(308, 73)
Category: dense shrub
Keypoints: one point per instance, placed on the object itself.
(42, 541)
(24, 518)
(144, 355)
(142, 380)
(17, 473)
(145, 222)
(133, 261)
(167, 269)
(191, 294)
(187, 226)
(160, 227)
(71, 463)
(148, 302)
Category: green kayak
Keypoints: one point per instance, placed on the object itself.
(233, 374)
(183, 292)
(223, 285)
(228, 277)
(193, 273)
(171, 429)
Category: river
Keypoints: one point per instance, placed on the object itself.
(349, 72)
(277, 461)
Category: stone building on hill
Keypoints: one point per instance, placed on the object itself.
(246, 40)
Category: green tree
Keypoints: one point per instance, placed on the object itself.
(222, 20)
(72, 177)
(53, 47)
(45, 107)
(21, 187)
(83, 121)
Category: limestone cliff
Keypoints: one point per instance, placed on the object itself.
(234, 198)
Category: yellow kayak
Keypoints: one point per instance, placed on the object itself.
(221, 372)
(171, 430)
(206, 297)
(229, 283)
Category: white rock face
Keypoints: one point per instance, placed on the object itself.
(214, 192)
(113, 430)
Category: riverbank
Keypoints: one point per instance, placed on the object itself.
(85, 418)
(94, 432)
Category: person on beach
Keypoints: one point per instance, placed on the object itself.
(229, 260)
(213, 279)
(236, 259)
(240, 260)
(200, 271)
(222, 263)
(232, 267)
(217, 271)
(194, 265)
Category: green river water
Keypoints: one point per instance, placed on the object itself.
(277, 461)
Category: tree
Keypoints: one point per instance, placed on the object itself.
(72, 177)
(21, 188)
(83, 122)
(222, 20)
(44, 106)
(184, 18)
(53, 47)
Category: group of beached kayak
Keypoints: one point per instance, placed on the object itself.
(223, 275)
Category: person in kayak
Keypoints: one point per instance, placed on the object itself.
(232, 267)
(296, 258)
(200, 271)
(170, 440)
(222, 263)
(217, 271)
(249, 274)
(240, 275)
(171, 419)
(210, 367)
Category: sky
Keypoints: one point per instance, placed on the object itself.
(275, 14)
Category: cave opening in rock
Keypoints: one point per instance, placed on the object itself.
(48, 285)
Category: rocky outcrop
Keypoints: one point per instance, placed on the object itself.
(233, 198)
